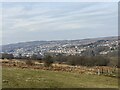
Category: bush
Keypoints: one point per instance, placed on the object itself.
(29, 62)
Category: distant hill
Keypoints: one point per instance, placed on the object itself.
(44, 46)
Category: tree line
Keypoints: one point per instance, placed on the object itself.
(71, 60)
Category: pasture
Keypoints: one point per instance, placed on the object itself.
(14, 77)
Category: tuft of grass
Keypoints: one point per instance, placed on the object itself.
(30, 78)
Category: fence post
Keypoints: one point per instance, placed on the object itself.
(98, 71)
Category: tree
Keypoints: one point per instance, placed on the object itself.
(100, 61)
(7, 56)
(48, 60)
(34, 57)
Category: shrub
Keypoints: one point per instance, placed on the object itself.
(29, 62)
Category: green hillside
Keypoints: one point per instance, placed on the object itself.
(30, 78)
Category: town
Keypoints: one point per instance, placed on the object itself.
(85, 47)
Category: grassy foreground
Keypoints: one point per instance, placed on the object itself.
(29, 78)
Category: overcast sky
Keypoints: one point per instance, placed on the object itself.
(58, 21)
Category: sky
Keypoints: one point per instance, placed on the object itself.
(22, 21)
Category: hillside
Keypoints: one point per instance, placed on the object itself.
(30, 78)
(102, 45)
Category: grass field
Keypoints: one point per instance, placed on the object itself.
(30, 78)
